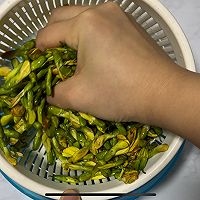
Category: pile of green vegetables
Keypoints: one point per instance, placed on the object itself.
(98, 148)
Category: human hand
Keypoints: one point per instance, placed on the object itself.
(121, 73)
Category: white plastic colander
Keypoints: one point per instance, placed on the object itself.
(20, 20)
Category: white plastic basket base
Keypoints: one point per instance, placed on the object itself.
(141, 190)
(20, 22)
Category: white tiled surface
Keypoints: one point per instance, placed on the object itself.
(183, 182)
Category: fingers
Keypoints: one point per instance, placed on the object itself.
(70, 197)
(73, 93)
(61, 28)
(66, 12)
(52, 35)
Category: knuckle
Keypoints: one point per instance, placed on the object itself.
(97, 17)
(40, 38)
(60, 10)
(112, 5)
(54, 14)
(89, 19)
(89, 15)
(40, 34)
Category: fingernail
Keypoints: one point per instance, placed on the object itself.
(70, 197)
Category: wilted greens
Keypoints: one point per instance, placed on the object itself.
(98, 148)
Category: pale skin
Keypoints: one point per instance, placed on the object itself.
(121, 74)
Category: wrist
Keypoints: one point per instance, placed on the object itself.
(169, 97)
(177, 106)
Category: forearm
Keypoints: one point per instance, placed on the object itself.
(178, 106)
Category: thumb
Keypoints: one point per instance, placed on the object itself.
(72, 93)
(64, 31)
(70, 197)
